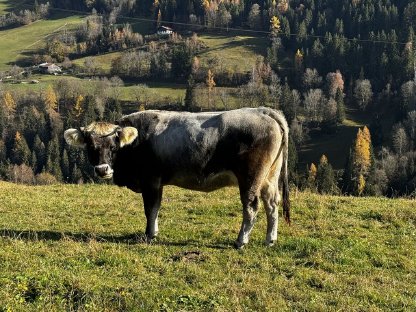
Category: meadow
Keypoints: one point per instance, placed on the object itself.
(80, 247)
(19, 42)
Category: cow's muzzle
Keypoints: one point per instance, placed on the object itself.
(103, 171)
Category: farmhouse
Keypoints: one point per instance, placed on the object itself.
(164, 31)
(49, 68)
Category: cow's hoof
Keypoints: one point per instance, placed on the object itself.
(270, 243)
(150, 239)
(238, 245)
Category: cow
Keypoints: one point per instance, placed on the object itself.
(203, 151)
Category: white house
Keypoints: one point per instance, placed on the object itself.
(49, 68)
(164, 31)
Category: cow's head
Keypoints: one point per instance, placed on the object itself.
(102, 141)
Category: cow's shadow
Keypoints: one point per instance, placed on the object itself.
(129, 239)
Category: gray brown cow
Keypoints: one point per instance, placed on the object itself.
(199, 151)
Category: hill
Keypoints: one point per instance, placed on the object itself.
(70, 247)
(27, 40)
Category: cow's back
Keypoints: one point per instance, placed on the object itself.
(202, 150)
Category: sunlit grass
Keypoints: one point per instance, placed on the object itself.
(69, 247)
(16, 42)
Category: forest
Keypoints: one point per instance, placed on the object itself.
(320, 61)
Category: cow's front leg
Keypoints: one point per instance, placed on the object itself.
(152, 198)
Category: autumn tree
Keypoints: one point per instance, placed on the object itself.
(400, 140)
(274, 26)
(334, 82)
(78, 108)
(51, 100)
(210, 85)
(360, 162)
(311, 79)
(9, 104)
(311, 182)
(363, 93)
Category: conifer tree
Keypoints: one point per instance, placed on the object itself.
(33, 161)
(53, 164)
(20, 152)
(325, 177)
(190, 94)
(40, 150)
(66, 174)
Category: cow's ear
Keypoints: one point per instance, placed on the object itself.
(74, 137)
(127, 135)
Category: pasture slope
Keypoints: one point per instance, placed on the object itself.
(69, 247)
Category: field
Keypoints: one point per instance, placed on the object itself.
(233, 51)
(18, 42)
(80, 248)
(9, 5)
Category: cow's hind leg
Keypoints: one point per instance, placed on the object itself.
(152, 198)
(271, 197)
(250, 203)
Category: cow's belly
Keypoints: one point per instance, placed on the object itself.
(208, 183)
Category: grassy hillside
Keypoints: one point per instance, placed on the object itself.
(239, 52)
(79, 247)
(20, 41)
(9, 5)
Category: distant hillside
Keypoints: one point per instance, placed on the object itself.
(69, 247)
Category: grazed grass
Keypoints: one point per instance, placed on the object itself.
(18, 42)
(103, 61)
(235, 52)
(75, 247)
(9, 5)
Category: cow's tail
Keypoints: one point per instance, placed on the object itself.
(281, 120)
(286, 200)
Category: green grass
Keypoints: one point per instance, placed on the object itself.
(11, 6)
(25, 40)
(103, 61)
(155, 91)
(235, 52)
(79, 248)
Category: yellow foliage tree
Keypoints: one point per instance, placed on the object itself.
(9, 103)
(299, 61)
(362, 151)
(312, 176)
(210, 84)
(79, 106)
(360, 161)
(360, 184)
(275, 24)
(51, 100)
